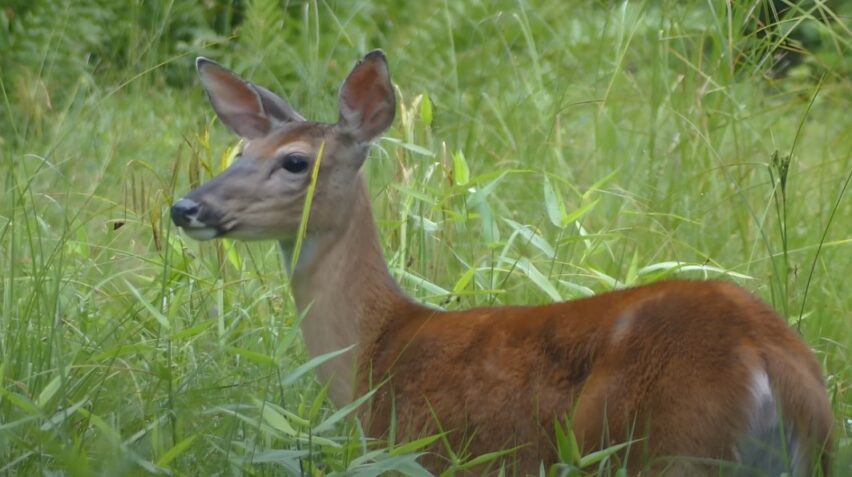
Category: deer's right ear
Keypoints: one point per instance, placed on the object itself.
(247, 109)
(367, 101)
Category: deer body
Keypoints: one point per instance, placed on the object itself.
(699, 375)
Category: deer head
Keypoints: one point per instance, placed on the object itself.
(261, 196)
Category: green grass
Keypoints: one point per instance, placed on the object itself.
(543, 150)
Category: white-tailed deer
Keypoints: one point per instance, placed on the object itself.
(702, 377)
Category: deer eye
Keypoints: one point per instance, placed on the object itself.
(295, 163)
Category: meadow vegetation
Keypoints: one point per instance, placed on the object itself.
(543, 150)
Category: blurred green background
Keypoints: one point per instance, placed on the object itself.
(543, 150)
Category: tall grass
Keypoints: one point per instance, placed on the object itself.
(542, 151)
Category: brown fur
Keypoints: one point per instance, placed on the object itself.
(677, 380)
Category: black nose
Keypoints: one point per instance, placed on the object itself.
(184, 211)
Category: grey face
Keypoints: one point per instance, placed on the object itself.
(262, 194)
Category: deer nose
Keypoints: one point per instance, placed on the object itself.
(184, 211)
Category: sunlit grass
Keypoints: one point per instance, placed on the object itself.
(540, 152)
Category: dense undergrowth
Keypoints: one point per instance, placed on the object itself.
(542, 151)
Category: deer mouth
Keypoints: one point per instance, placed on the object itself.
(194, 221)
(202, 233)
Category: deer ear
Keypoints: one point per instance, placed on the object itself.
(367, 101)
(247, 109)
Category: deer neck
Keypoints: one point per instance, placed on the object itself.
(342, 286)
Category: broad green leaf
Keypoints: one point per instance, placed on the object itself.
(463, 281)
(415, 445)
(20, 402)
(275, 419)
(597, 456)
(425, 224)
(609, 281)
(686, 267)
(193, 330)
(554, 205)
(486, 458)
(60, 416)
(598, 184)
(161, 319)
(426, 284)
(566, 443)
(230, 247)
(410, 147)
(229, 155)
(577, 288)
(176, 451)
(579, 213)
(482, 193)
(528, 233)
(332, 420)
(461, 172)
(312, 364)
(49, 391)
(538, 278)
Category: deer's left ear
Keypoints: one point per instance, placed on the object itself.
(367, 101)
(249, 110)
